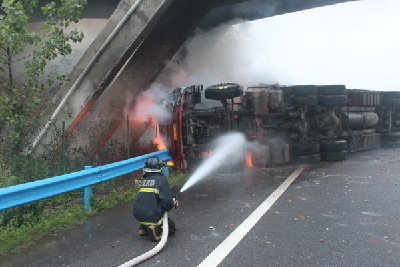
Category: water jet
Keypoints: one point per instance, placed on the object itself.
(228, 152)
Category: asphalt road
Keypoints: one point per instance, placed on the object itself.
(333, 214)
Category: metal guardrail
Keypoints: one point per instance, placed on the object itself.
(29, 192)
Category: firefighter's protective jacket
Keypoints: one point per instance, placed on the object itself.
(154, 198)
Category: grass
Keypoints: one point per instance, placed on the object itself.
(72, 213)
(51, 221)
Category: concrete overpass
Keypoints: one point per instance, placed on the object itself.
(140, 37)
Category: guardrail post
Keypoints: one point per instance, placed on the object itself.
(87, 194)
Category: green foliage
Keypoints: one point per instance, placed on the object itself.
(22, 215)
(20, 96)
(27, 168)
(63, 198)
(13, 237)
(178, 178)
(5, 173)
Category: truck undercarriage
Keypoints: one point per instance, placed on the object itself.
(299, 124)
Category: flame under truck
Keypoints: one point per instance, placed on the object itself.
(299, 124)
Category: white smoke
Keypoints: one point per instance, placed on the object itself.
(353, 43)
(148, 104)
(217, 56)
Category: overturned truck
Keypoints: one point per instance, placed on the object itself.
(299, 124)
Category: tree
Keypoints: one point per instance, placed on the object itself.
(20, 96)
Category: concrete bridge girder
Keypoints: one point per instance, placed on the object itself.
(100, 63)
(138, 54)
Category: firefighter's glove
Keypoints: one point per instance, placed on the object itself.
(176, 203)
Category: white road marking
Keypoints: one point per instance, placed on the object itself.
(220, 252)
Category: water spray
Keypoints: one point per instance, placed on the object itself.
(229, 148)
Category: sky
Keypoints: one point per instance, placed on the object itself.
(355, 43)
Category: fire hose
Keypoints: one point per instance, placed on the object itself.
(153, 251)
(159, 246)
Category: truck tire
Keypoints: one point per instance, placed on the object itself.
(301, 101)
(332, 100)
(301, 90)
(331, 90)
(333, 146)
(224, 91)
(334, 155)
(307, 159)
(302, 149)
(391, 137)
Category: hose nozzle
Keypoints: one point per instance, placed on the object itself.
(176, 203)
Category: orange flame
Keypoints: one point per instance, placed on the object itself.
(249, 159)
(205, 154)
(158, 140)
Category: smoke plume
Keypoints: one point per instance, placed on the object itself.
(148, 105)
(353, 43)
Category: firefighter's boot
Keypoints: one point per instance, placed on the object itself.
(142, 230)
(155, 232)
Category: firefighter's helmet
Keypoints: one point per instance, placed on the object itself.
(153, 164)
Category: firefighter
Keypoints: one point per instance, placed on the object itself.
(154, 198)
